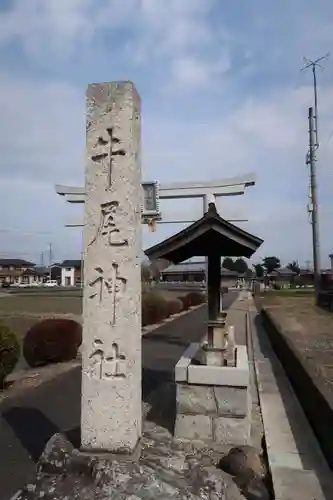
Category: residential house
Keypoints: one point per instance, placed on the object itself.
(54, 272)
(285, 276)
(281, 275)
(196, 271)
(71, 272)
(19, 271)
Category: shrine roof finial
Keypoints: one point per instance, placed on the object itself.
(212, 208)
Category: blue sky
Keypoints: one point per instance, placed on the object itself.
(222, 94)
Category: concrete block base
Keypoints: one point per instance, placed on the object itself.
(230, 430)
(194, 427)
(222, 430)
(213, 402)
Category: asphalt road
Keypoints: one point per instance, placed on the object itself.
(27, 422)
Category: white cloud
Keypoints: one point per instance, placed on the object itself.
(217, 102)
(42, 130)
(42, 141)
(170, 27)
(60, 27)
(269, 137)
(64, 26)
(196, 72)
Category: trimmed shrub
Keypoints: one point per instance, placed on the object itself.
(185, 302)
(52, 340)
(174, 307)
(154, 308)
(9, 352)
(195, 298)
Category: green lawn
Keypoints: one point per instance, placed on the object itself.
(40, 304)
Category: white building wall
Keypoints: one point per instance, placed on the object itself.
(68, 272)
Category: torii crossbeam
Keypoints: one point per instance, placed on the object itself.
(231, 186)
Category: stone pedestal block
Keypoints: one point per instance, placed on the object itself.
(194, 427)
(213, 412)
(230, 430)
(214, 402)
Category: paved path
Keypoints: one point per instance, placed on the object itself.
(27, 422)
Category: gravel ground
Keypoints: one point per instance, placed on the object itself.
(309, 328)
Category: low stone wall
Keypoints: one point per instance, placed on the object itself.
(315, 398)
(213, 402)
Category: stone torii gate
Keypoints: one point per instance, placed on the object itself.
(152, 193)
(207, 191)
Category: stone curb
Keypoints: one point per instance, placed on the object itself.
(295, 461)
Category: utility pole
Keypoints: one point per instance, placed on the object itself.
(82, 261)
(50, 261)
(311, 161)
(313, 65)
(313, 205)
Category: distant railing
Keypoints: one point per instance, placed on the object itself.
(198, 285)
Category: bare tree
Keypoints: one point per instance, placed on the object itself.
(156, 267)
(145, 272)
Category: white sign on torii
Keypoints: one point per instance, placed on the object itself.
(233, 186)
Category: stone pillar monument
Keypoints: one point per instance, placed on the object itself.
(111, 348)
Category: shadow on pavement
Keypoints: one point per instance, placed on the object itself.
(167, 338)
(31, 427)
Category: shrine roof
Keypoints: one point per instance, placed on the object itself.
(207, 236)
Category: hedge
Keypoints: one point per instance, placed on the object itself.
(154, 308)
(185, 302)
(9, 352)
(52, 340)
(174, 307)
(195, 298)
(192, 299)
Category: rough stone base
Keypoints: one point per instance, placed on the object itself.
(167, 467)
(165, 470)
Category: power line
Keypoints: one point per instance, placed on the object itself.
(313, 65)
(32, 233)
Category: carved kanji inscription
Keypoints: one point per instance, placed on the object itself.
(108, 227)
(107, 146)
(112, 285)
(106, 366)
